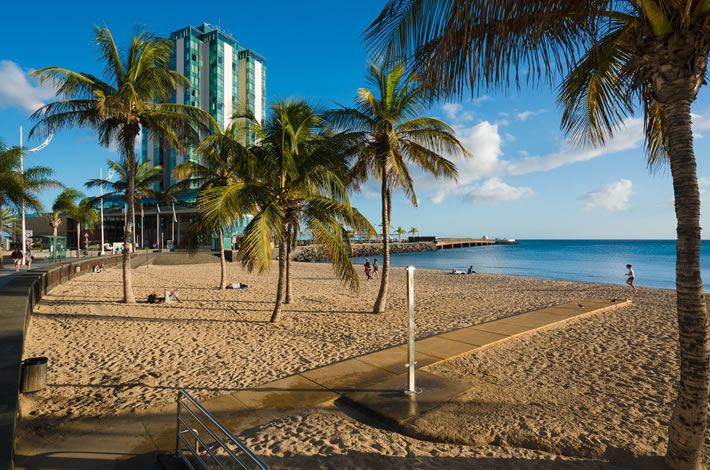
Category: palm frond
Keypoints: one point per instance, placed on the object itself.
(502, 39)
(332, 240)
(256, 247)
(597, 94)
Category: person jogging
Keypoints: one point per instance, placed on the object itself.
(630, 277)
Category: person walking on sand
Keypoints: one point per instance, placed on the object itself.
(367, 268)
(631, 276)
(375, 269)
(16, 257)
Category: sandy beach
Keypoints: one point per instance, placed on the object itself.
(594, 390)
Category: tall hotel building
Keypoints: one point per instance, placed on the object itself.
(225, 79)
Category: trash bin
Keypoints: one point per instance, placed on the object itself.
(34, 374)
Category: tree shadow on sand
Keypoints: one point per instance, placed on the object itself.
(82, 316)
(371, 460)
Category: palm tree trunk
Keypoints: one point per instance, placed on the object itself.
(223, 264)
(690, 415)
(128, 296)
(78, 240)
(276, 316)
(381, 302)
(289, 292)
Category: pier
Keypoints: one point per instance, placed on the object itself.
(446, 243)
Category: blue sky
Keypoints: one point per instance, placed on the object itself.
(524, 181)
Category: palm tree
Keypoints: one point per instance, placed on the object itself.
(226, 162)
(414, 231)
(616, 55)
(20, 189)
(145, 179)
(75, 205)
(54, 219)
(298, 181)
(8, 224)
(400, 231)
(121, 104)
(394, 137)
(64, 200)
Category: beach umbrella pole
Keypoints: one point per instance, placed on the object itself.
(411, 364)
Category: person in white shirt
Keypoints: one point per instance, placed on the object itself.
(631, 276)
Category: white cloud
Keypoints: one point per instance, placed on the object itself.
(16, 90)
(451, 109)
(700, 122)
(484, 142)
(481, 99)
(630, 136)
(492, 191)
(612, 197)
(526, 114)
(455, 112)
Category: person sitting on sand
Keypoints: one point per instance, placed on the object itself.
(631, 276)
(470, 270)
(153, 298)
(99, 268)
(170, 296)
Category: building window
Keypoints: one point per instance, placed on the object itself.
(194, 57)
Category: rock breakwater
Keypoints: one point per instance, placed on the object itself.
(312, 253)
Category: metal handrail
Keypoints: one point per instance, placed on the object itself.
(184, 427)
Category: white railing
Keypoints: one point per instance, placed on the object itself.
(217, 448)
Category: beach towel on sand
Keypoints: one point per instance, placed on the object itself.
(236, 285)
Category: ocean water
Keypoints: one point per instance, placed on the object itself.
(601, 261)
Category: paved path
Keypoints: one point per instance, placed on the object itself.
(8, 271)
(133, 442)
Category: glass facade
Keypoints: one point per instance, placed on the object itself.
(212, 62)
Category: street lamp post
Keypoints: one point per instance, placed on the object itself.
(22, 172)
(101, 201)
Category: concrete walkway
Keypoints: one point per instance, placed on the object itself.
(372, 381)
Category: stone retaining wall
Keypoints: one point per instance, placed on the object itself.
(314, 253)
(17, 300)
